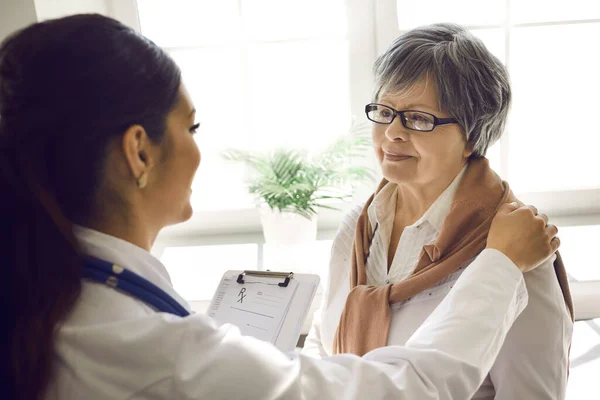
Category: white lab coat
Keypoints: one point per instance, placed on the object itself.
(115, 347)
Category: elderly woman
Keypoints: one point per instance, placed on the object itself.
(440, 100)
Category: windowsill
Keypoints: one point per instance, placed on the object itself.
(241, 222)
(586, 299)
(565, 208)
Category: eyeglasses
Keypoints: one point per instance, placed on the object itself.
(411, 119)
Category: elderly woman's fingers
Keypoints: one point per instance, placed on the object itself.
(544, 217)
(507, 208)
(555, 243)
(534, 209)
(551, 230)
(529, 208)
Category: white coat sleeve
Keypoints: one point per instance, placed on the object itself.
(438, 362)
(533, 362)
(313, 345)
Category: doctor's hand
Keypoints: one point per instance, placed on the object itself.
(523, 235)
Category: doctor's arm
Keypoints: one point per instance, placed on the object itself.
(533, 361)
(437, 362)
(219, 363)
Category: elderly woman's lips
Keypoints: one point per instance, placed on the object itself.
(396, 157)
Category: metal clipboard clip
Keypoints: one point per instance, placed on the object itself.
(286, 276)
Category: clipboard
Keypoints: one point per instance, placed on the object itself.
(270, 306)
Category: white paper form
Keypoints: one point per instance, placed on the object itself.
(258, 307)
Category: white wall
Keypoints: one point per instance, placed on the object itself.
(48, 9)
(123, 10)
(15, 14)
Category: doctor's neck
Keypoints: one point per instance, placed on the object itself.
(131, 228)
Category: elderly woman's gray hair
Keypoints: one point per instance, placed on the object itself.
(472, 83)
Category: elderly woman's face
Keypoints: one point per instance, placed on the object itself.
(413, 157)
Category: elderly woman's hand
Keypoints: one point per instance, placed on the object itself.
(523, 236)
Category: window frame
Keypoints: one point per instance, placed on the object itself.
(564, 208)
(238, 225)
(372, 25)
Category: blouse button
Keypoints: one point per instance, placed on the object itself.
(387, 281)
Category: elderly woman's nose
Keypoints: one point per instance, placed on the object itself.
(396, 131)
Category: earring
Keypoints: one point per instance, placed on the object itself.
(142, 181)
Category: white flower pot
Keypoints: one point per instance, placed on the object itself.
(288, 240)
(287, 228)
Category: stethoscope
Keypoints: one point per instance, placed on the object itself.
(132, 284)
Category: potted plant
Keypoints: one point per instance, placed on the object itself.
(293, 185)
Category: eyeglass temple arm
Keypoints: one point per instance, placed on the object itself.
(443, 121)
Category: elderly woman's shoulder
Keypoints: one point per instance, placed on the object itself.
(347, 227)
(351, 218)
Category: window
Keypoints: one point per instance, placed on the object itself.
(257, 71)
(312, 258)
(555, 81)
(576, 243)
(549, 150)
(546, 47)
(262, 73)
(197, 280)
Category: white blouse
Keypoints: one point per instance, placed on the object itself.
(114, 346)
(533, 361)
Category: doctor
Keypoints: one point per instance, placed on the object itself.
(97, 156)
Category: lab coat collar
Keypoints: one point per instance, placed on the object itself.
(129, 256)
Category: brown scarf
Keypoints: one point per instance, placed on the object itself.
(365, 321)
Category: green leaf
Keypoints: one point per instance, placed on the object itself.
(288, 180)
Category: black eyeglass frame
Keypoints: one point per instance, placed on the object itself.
(436, 121)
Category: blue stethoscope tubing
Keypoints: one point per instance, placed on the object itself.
(132, 284)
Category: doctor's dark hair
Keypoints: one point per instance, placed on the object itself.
(67, 88)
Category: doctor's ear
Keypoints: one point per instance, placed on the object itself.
(139, 151)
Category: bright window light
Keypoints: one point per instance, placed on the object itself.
(197, 270)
